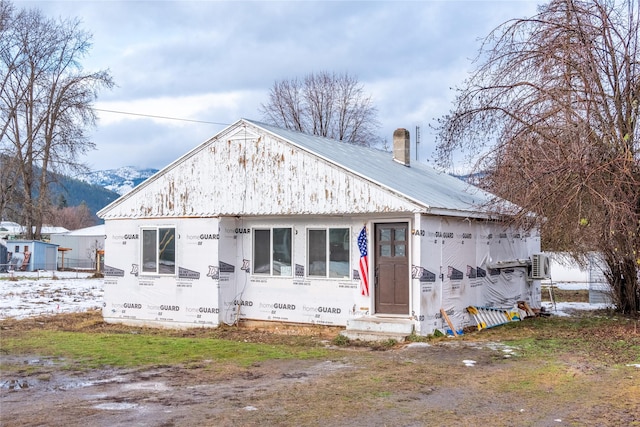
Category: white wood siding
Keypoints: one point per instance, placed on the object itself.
(242, 173)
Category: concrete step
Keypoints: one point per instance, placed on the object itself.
(371, 336)
(378, 328)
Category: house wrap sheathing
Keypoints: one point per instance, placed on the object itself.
(269, 224)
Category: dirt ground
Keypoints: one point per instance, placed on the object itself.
(474, 381)
(412, 386)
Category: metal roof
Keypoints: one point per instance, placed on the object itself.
(437, 191)
(95, 230)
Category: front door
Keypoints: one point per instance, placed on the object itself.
(392, 268)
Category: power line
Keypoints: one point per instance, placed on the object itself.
(161, 117)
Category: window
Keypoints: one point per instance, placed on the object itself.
(272, 251)
(331, 244)
(393, 242)
(159, 250)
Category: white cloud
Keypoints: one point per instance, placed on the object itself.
(216, 60)
(220, 107)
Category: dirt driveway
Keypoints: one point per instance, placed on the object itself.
(440, 384)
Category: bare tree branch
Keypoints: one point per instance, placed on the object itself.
(324, 104)
(46, 106)
(550, 116)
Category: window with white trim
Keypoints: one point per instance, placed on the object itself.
(272, 251)
(158, 250)
(328, 252)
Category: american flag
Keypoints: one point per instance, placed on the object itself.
(364, 262)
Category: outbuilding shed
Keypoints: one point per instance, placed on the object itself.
(269, 224)
(31, 255)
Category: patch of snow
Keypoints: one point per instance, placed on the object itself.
(571, 286)
(469, 362)
(46, 292)
(418, 345)
(565, 308)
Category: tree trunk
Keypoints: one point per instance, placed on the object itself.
(623, 278)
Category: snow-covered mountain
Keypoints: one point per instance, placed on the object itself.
(120, 180)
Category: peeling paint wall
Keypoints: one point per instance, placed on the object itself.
(249, 174)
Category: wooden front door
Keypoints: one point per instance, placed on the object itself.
(392, 268)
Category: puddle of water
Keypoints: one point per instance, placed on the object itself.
(43, 362)
(95, 396)
(15, 385)
(75, 384)
(152, 386)
(117, 379)
(116, 406)
(70, 384)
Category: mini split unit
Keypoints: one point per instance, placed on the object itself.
(540, 268)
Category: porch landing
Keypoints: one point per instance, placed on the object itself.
(378, 328)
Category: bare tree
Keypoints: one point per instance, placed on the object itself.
(46, 103)
(10, 195)
(8, 173)
(324, 104)
(551, 115)
(6, 11)
(71, 217)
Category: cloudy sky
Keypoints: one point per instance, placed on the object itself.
(215, 61)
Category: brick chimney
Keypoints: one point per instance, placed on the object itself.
(401, 144)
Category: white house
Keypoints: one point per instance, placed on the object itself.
(13, 230)
(269, 224)
(10, 229)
